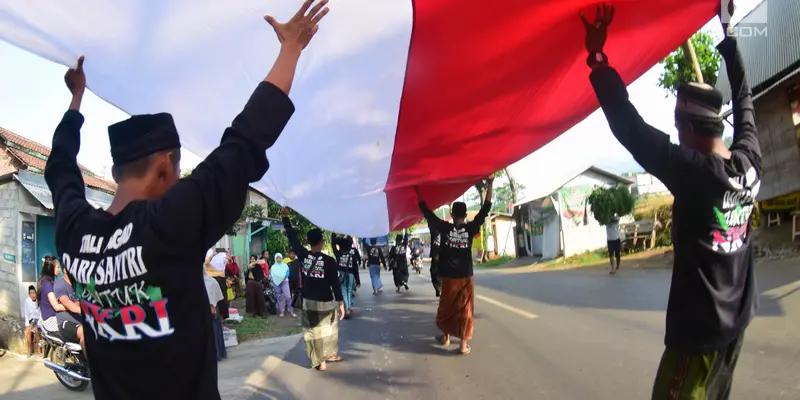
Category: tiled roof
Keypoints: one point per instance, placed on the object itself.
(770, 56)
(88, 177)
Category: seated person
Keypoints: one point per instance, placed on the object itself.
(69, 326)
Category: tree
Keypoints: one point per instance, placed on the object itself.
(678, 67)
(186, 173)
(608, 204)
(250, 214)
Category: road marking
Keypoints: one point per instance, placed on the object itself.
(500, 304)
(507, 307)
(783, 291)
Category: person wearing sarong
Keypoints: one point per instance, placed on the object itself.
(255, 305)
(713, 295)
(455, 316)
(214, 296)
(399, 261)
(374, 260)
(348, 259)
(323, 306)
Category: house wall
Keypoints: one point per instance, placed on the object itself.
(778, 137)
(16, 206)
(9, 226)
(582, 233)
(503, 228)
(646, 184)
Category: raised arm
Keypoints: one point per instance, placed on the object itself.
(434, 222)
(650, 147)
(745, 134)
(211, 199)
(291, 235)
(335, 246)
(62, 174)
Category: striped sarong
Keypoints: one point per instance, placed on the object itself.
(320, 330)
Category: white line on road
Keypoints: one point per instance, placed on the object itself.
(500, 304)
(507, 307)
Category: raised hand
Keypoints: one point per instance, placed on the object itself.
(725, 17)
(76, 79)
(299, 30)
(490, 179)
(596, 31)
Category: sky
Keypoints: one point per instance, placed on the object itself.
(35, 98)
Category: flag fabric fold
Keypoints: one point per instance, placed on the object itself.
(390, 94)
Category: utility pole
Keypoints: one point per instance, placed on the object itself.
(691, 57)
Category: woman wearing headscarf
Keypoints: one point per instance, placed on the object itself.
(232, 276)
(255, 304)
(279, 275)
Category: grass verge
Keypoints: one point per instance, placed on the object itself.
(496, 262)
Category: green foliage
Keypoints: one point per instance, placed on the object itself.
(186, 173)
(502, 195)
(249, 214)
(277, 241)
(664, 233)
(610, 203)
(678, 69)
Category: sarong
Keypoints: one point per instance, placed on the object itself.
(400, 275)
(687, 375)
(348, 286)
(375, 277)
(255, 304)
(219, 339)
(320, 330)
(455, 316)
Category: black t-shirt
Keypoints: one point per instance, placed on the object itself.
(713, 295)
(348, 257)
(374, 255)
(435, 243)
(319, 273)
(397, 254)
(294, 270)
(455, 248)
(139, 274)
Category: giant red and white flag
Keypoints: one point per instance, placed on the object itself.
(391, 94)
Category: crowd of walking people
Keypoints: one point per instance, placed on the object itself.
(164, 225)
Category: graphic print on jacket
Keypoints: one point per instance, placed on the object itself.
(111, 284)
(734, 213)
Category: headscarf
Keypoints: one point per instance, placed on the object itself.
(279, 270)
(232, 268)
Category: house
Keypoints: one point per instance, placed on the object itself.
(26, 208)
(771, 54)
(647, 185)
(556, 220)
(250, 238)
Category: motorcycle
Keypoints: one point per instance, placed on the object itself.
(66, 360)
(270, 298)
(416, 263)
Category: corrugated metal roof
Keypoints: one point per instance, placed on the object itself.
(767, 57)
(37, 187)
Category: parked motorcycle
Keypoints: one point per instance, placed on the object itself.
(66, 360)
(270, 298)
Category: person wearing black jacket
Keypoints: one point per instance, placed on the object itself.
(713, 296)
(399, 261)
(321, 291)
(155, 234)
(349, 258)
(375, 260)
(456, 313)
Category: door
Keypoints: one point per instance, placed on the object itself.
(45, 240)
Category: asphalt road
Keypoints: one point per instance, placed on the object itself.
(575, 334)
